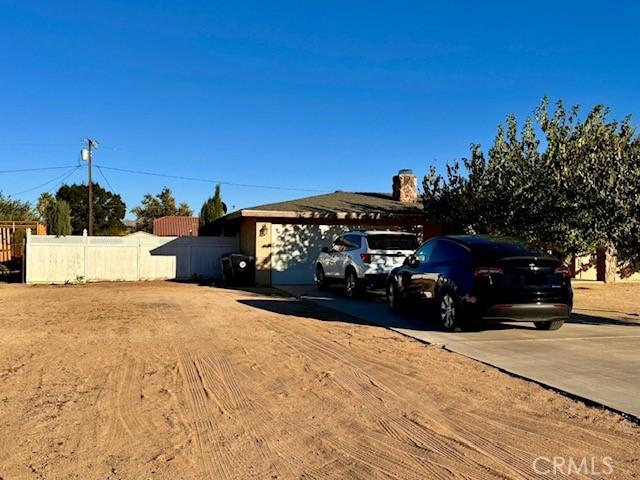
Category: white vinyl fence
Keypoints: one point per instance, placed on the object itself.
(141, 256)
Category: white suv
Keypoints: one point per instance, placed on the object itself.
(363, 258)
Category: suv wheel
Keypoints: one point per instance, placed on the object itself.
(352, 285)
(448, 310)
(321, 279)
(553, 325)
(393, 296)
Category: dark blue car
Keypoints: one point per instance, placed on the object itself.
(477, 277)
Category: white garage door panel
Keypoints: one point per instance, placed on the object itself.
(295, 248)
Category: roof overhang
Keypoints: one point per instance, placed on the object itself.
(249, 213)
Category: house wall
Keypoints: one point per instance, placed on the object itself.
(248, 236)
(51, 259)
(296, 248)
(283, 250)
(263, 241)
(586, 269)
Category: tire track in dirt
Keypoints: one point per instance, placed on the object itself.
(358, 382)
(234, 399)
(462, 426)
(504, 431)
(221, 383)
(215, 462)
(366, 380)
(210, 381)
(353, 386)
(118, 430)
(218, 372)
(518, 461)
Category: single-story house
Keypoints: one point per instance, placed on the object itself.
(176, 226)
(285, 238)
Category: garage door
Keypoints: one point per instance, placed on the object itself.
(295, 248)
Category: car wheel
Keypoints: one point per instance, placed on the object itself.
(352, 285)
(321, 279)
(553, 325)
(393, 297)
(448, 310)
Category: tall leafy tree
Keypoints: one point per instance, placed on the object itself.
(58, 218)
(108, 209)
(156, 206)
(45, 200)
(11, 209)
(578, 194)
(213, 208)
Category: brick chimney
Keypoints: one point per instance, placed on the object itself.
(405, 186)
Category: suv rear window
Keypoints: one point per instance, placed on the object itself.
(392, 242)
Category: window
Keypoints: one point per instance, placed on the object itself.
(352, 242)
(392, 242)
(448, 251)
(424, 252)
(504, 249)
(338, 245)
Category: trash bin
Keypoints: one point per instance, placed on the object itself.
(237, 269)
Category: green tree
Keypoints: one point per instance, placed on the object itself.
(45, 200)
(18, 210)
(577, 194)
(108, 209)
(213, 208)
(58, 218)
(161, 205)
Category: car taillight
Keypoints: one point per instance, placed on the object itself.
(564, 271)
(486, 271)
(366, 257)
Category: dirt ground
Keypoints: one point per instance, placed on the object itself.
(619, 301)
(175, 381)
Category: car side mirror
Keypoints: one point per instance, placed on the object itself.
(410, 260)
(325, 250)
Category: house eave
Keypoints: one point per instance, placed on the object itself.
(248, 213)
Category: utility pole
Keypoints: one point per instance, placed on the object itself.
(86, 155)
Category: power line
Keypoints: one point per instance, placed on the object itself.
(61, 182)
(65, 175)
(17, 170)
(105, 179)
(205, 180)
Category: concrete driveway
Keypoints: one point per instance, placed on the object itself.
(590, 357)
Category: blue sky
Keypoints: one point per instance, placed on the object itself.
(309, 95)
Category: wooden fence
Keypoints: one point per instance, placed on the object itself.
(11, 236)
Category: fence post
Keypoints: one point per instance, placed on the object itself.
(24, 260)
(139, 259)
(85, 252)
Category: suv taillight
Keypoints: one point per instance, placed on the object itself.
(486, 271)
(564, 271)
(366, 257)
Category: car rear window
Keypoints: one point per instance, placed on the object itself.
(503, 249)
(392, 242)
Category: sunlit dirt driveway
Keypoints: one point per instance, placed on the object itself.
(170, 381)
(594, 356)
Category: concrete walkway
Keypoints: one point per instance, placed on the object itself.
(591, 357)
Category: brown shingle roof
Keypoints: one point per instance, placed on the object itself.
(348, 202)
(175, 226)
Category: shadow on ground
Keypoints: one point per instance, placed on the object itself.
(593, 320)
(297, 308)
(410, 320)
(318, 306)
